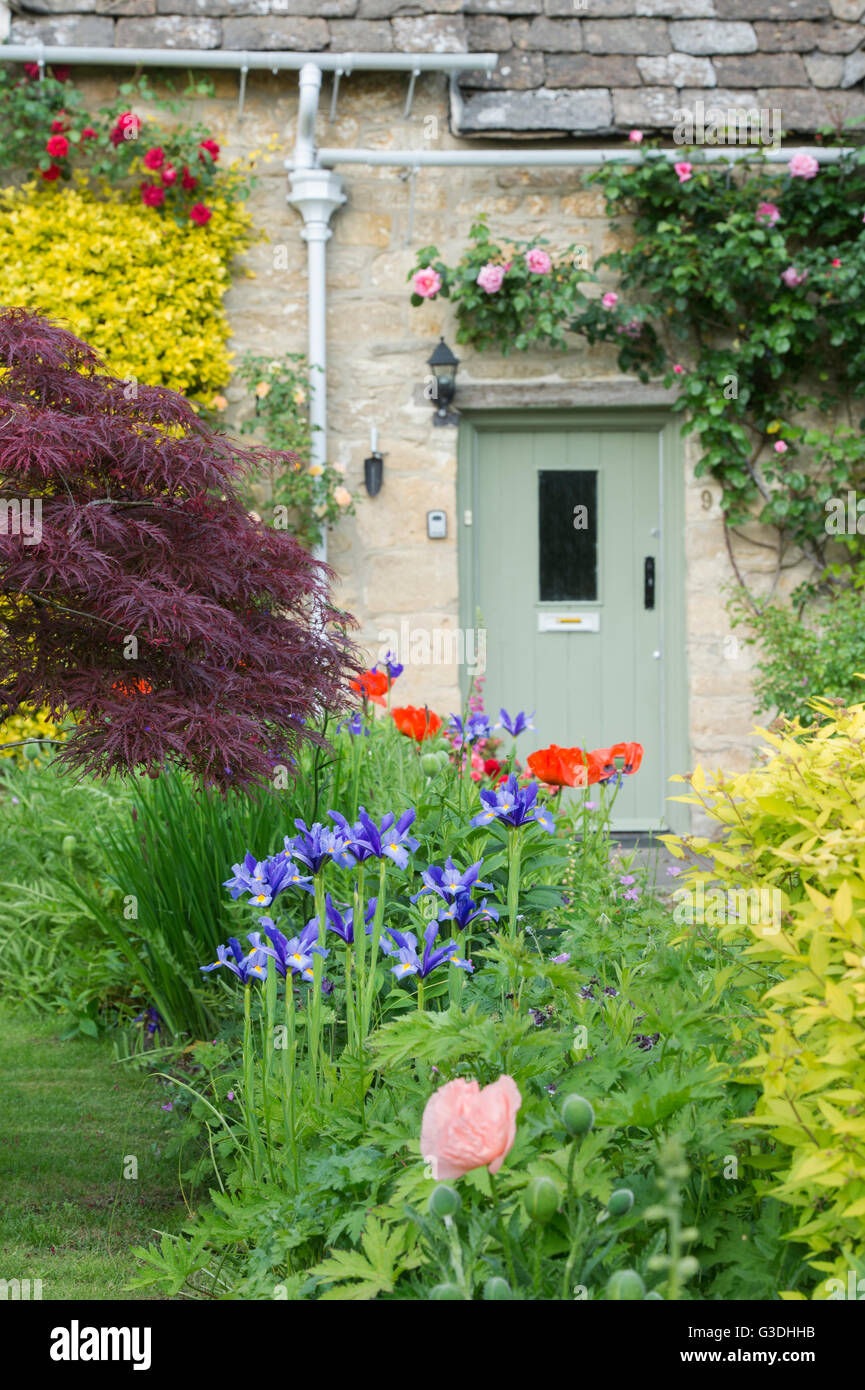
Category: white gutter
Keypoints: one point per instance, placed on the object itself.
(533, 158)
(269, 61)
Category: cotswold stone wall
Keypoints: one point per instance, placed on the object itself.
(378, 345)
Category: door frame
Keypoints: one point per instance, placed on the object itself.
(671, 580)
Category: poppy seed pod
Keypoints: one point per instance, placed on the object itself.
(444, 1201)
(430, 765)
(620, 1202)
(497, 1290)
(541, 1200)
(445, 1293)
(625, 1286)
(578, 1117)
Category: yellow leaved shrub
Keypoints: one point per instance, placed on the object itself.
(795, 829)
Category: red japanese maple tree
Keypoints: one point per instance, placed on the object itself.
(149, 603)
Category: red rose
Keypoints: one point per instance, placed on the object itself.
(57, 146)
(211, 148)
(32, 69)
(188, 181)
(169, 175)
(154, 159)
(59, 124)
(200, 214)
(52, 172)
(152, 196)
(88, 133)
(60, 71)
(127, 128)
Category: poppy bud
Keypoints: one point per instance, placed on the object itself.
(445, 1293)
(578, 1117)
(625, 1286)
(497, 1290)
(653, 1294)
(444, 1201)
(68, 844)
(430, 765)
(541, 1200)
(444, 758)
(31, 751)
(620, 1202)
(688, 1267)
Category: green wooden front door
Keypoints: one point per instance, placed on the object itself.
(564, 563)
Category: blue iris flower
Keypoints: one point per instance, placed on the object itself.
(403, 948)
(262, 879)
(463, 911)
(516, 725)
(343, 922)
(394, 668)
(317, 844)
(390, 840)
(293, 955)
(449, 882)
(514, 805)
(355, 725)
(246, 968)
(476, 726)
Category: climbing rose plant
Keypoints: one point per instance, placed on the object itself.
(743, 287)
(147, 601)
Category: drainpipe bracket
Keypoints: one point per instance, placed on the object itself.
(316, 193)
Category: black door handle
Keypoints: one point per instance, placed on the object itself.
(649, 582)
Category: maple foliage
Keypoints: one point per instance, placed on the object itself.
(174, 626)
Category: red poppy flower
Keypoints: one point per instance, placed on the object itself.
(200, 214)
(559, 767)
(416, 723)
(57, 146)
(492, 767)
(372, 685)
(605, 763)
(141, 685)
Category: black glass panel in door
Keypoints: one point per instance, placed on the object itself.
(568, 535)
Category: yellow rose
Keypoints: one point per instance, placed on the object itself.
(219, 403)
(315, 470)
(262, 390)
(342, 496)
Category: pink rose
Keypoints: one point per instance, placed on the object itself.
(610, 299)
(464, 1127)
(426, 282)
(636, 137)
(793, 277)
(803, 166)
(780, 447)
(678, 369)
(768, 213)
(490, 277)
(683, 170)
(538, 261)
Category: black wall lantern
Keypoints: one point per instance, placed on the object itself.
(373, 467)
(444, 367)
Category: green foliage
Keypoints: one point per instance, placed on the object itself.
(794, 827)
(805, 654)
(530, 308)
(303, 497)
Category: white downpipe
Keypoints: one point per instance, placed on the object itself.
(589, 159)
(316, 193)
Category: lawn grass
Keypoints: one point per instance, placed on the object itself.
(71, 1118)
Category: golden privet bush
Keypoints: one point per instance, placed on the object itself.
(141, 289)
(797, 825)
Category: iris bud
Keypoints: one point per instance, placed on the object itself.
(496, 1290)
(444, 1201)
(578, 1117)
(541, 1200)
(625, 1286)
(445, 1293)
(620, 1202)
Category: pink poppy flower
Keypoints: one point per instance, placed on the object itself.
(490, 277)
(684, 171)
(426, 282)
(466, 1127)
(610, 299)
(768, 213)
(538, 261)
(803, 166)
